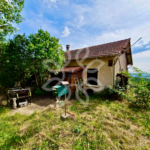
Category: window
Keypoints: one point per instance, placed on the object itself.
(92, 75)
(110, 63)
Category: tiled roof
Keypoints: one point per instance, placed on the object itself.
(108, 49)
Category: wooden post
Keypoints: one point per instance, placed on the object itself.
(65, 105)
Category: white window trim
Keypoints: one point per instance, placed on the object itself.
(89, 85)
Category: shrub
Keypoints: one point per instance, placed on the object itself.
(113, 93)
(39, 92)
(138, 83)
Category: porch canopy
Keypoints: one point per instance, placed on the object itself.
(71, 69)
(71, 75)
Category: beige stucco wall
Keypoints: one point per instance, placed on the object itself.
(105, 73)
(121, 64)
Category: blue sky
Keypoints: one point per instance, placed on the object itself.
(81, 23)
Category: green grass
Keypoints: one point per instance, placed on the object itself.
(100, 125)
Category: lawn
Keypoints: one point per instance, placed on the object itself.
(103, 124)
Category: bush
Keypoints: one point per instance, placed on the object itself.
(40, 92)
(113, 93)
(138, 86)
(141, 96)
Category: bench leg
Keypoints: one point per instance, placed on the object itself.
(14, 103)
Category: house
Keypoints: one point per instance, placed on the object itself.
(98, 66)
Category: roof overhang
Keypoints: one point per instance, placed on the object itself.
(95, 57)
(129, 55)
(70, 69)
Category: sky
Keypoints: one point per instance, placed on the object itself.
(81, 23)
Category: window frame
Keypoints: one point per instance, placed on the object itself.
(87, 82)
(110, 63)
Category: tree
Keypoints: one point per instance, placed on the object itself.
(14, 61)
(9, 14)
(43, 47)
(21, 56)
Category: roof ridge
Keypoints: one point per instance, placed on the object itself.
(99, 45)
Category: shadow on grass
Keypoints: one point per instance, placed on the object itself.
(136, 108)
(14, 140)
(94, 101)
(13, 137)
(2, 110)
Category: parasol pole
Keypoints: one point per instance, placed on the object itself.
(65, 105)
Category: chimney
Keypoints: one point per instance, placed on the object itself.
(67, 47)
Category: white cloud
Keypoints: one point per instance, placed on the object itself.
(37, 21)
(74, 25)
(142, 60)
(124, 19)
(49, 3)
(109, 36)
(145, 54)
(54, 1)
(66, 32)
(40, 15)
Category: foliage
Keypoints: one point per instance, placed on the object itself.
(9, 14)
(116, 92)
(117, 85)
(23, 56)
(79, 87)
(40, 92)
(139, 83)
(44, 47)
(76, 129)
(138, 88)
(111, 93)
(14, 61)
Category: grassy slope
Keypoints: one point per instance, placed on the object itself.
(101, 125)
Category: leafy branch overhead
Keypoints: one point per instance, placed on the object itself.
(10, 14)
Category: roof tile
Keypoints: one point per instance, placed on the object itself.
(108, 49)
